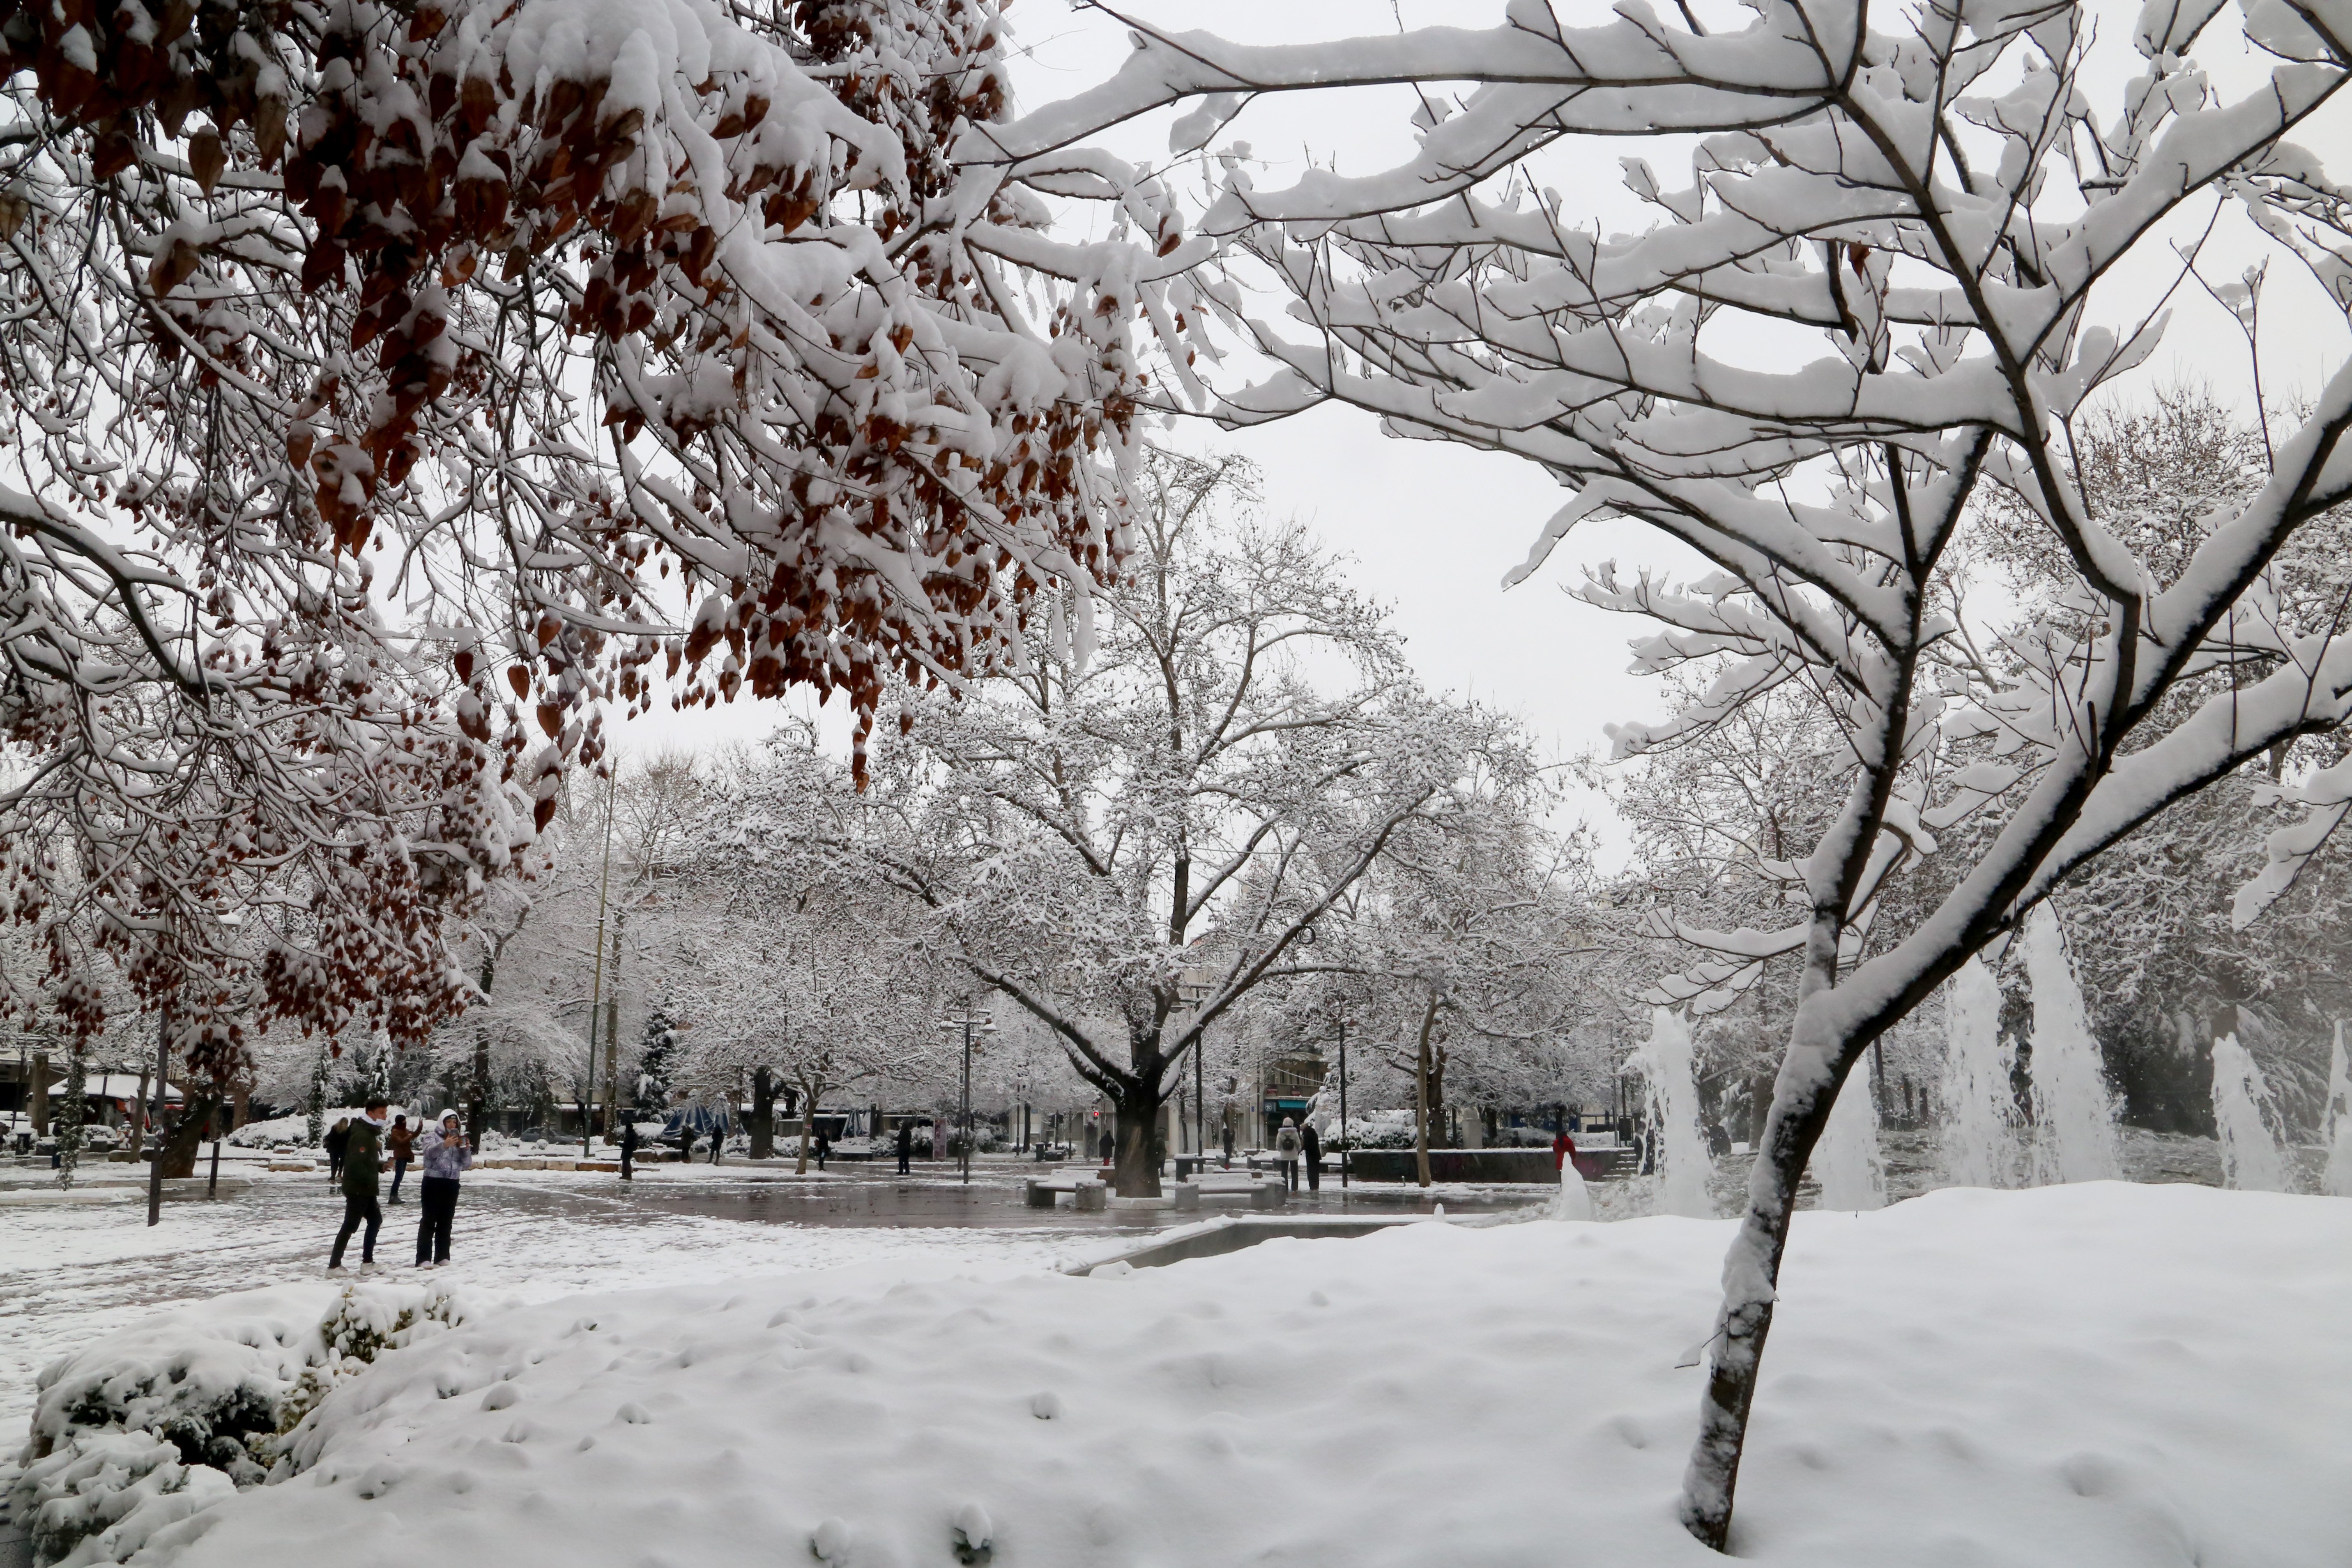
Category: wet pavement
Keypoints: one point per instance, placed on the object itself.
(852, 1195)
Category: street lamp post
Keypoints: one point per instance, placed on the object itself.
(1343, 1101)
(970, 1023)
(1194, 987)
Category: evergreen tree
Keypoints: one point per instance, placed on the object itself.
(317, 1114)
(379, 1086)
(70, 1113)
(657, 1059)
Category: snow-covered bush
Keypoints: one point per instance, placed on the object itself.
(296, 1130)
(142, 1430)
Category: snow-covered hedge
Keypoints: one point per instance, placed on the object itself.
(138, 1434)
(295, 1128)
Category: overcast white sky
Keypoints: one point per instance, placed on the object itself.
(1433, 527)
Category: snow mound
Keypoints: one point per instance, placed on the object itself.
(2091, 1376)
(142, 1431)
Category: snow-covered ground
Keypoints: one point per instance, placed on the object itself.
(71, 1272)
(2084, 1376)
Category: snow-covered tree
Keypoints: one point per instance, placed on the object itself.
(386, 383)
(657, 1059)
(1460, 956)
(1194, 764)
(792, 962)
(1945, 200)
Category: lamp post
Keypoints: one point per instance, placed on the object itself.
(971, 1023)
(1193, 985)
(1343, 1101)
(596, 986)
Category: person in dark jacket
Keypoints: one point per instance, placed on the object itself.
(402, 1142)
(906, 1147)
(1229, 1147)
(338, 1138)
(628, 1150)
(1311, 1147)
(446, 1155)
(824, 1147)
(362, 1160)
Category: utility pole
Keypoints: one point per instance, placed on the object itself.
(597, 988)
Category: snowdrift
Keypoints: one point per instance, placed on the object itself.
(2079, 1376)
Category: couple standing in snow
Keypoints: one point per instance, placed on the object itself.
(1293, 1144)
(446, 1155)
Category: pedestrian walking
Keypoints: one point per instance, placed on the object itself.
(1287, 1149)
(1563, 1148)
(1229, 1145)
(824, 1147)
(1310, 1143)
(363, 1162)
(338, 1138)
(628, 1148)
(448, 1155)
(402, 1141)
(906, 1147)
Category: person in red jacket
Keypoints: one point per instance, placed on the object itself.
(1563, 1148)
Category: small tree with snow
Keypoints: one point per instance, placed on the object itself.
(1890, 285)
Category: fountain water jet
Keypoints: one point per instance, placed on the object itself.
(2336, 1182)
(1853, 1172)
(1678, 1147)
(1574, 1199)
(2252, 1159)
(1979, 1142)
(2074, 1109)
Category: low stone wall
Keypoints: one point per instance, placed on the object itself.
(1455, 1165)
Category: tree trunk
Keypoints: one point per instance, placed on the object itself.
(764, 1114)
(1421, 1092)
(240, 1104)
(178, 1152)
(1751, 1273)
(39, 1104)
(1135, 1173)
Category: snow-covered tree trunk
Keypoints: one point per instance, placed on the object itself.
(1421, 1099)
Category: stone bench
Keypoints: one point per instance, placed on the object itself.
(1042, 1195)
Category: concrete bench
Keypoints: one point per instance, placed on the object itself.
(1039, 1195)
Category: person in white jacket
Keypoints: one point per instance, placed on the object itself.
(446, 1155)
(1287, 1147)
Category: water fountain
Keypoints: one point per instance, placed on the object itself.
(1679, 1148)
(1979, 1140)
(1574, 1199)
(2336, 1182)
(2074, 1109)
(2252, 1159)
(1853, 1172)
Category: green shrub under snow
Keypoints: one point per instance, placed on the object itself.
(137, 1435)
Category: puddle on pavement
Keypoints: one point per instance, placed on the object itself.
(886, 1200)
